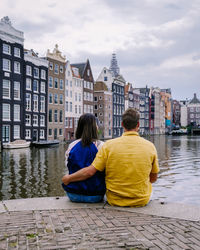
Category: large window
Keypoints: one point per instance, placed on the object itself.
(28, 134)
(6, 89)
(35, 103)
(42, 87)
(35, 86)
(17, 67)
(6, 112)
(50, 98)
(50, 82)
(36, 72)
(17, 90)
(16, 113)
(50, 115)
(61, 83)
(28, 120)
(42, 120)
(16, 131)
(56, 69)
(42, 104)
(16, 52)
(6, 49)
(61, 116)
(28, 102)
(56, 83)
(55, 115)
(35, 120)
(41, 133)
(61, 99)
(55, 98)
(43, 74)
(28, 70)
(6, 64)
(28, 83)
(70, 107)
(66, 106)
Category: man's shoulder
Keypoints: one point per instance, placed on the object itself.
(146, 142)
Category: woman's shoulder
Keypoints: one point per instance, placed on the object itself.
(98, 144)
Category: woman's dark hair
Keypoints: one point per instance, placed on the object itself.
(87, 129)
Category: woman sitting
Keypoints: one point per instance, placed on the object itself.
(80, 154)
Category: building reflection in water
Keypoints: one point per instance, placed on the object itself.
(31, 172)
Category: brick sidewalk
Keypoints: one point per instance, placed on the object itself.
(95, 228)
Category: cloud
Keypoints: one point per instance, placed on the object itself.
(155, 41)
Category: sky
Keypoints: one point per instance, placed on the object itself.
(157, 42)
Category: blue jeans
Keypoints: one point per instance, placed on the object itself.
(84, 198)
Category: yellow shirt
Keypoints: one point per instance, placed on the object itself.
(128, 162)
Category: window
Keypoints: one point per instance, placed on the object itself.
(70, 122)
(50, 132)
(61, 69)
(28, 102)
(61, 83)
(70, 93)
(88, 72)
(79, 109)
(66, 106)
(6, 64)
(42, 120)
(50, 82)
(43, 74)
(56, 83)
(42, 87)
(16, 113)
(70, 83)
(36, 72)
(17, 90)
(41, 133)
(61, 99)
(51, 66)
(28, 120)
(55, 98)
(66, 93)
(6, 112)
(55, 115)
(42, 104)
(66, 122)
(95, 107)
(105, 78)
(35, 103)
(66, 82)
(50, 115)
(17, 67)
(61, 116)
(28, 83)
(35, 120)
(6, 49)
(50, 98)
(95, 98)
(56, 68)
(60, 131)
(28, 134)
(79, 97)
(16, 132)
(28, 70)
(75, 109)
(16, 52)
(6, 89)
(35, 86)
(70, 107)
(75, 96)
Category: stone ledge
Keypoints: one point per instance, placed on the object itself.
(171, 210)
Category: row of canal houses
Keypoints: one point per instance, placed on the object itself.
(42, 98)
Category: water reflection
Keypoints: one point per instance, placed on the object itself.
(34, 172)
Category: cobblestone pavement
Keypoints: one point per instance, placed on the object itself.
(95, 228)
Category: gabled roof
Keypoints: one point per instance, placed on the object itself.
(100, 86)
(81, 67)
(194, 100)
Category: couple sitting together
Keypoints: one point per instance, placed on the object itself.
(124, 168)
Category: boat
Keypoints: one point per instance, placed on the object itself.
(16, 144)
(45, 143)
(179, 132)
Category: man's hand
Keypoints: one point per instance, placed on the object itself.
(66, 179)
(153, 177)
(80, 175)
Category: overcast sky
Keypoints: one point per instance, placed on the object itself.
(157, 42)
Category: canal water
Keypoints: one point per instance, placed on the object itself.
(37, 172)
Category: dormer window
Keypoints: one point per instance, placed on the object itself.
(88, 72)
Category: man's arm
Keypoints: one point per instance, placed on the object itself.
(153, 177)
(80, 175)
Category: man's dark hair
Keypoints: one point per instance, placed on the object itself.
(87, 129)
(130, 118)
